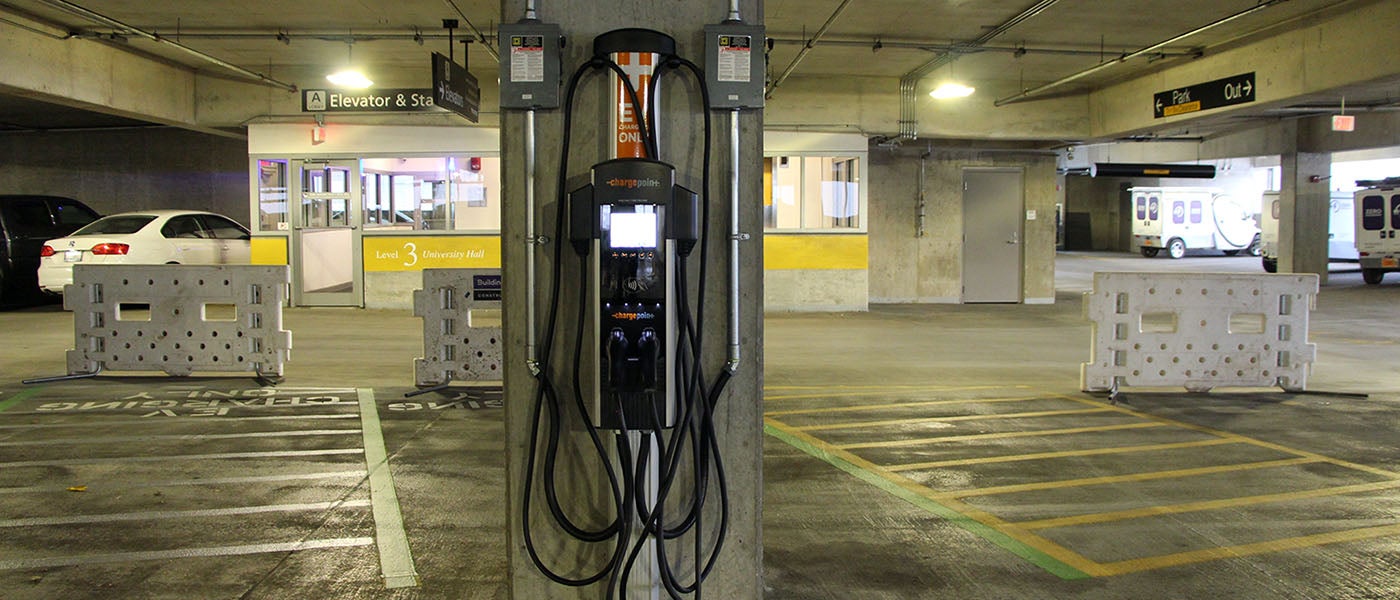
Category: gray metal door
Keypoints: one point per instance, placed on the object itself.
(992, 249)
(326, 257)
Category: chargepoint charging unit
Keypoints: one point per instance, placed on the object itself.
(637, 255)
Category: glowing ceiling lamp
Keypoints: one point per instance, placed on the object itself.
(349, 77)
(952, 90)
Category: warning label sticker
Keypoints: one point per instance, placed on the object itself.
(527, 58)
(734, 58)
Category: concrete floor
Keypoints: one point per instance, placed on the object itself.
(206, 487)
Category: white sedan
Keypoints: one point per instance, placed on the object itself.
(148, 237)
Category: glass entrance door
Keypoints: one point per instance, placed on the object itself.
(325, 244)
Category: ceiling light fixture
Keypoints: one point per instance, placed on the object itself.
(349, 77)
(952, 90)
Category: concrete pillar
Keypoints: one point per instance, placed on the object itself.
(582, 487)
(1304, 206)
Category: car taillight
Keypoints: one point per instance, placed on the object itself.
(108, 249)
(47, 251)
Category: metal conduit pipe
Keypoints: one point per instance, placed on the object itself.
(909, 83)
(942, 46)
(480, 37)
(807, 48)
(734, 238)
(1026, 95)
(531, 360)
(110, 22)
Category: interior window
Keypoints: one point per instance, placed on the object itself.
(224, 229)
(183, 227)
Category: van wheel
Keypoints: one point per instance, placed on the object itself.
(1270, 264)
(1176, 248)
(1255, 248)
(1149, 252)
(1372, 276)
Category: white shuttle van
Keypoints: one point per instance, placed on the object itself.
(1341, 241)
(1178, 219)
(1377, 220)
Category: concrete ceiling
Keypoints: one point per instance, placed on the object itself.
(1028, 42)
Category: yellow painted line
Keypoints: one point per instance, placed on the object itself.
(1208, 554)
(1061, 454)
(1029, 540)
(894, 387)
(1171, 509)
(883, 423)
(1247, 440)
(1134, 477)
(839, 409)
(827, 392)
(997, 436)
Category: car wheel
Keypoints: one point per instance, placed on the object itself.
(1255, 248)
(1149, 252)
(1372, 276)
(1270, 264)
(1176, 248)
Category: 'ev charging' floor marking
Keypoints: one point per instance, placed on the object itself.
(395, 558)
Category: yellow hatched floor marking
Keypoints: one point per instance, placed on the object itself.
(998, 436)
(1010, 530)
(884, 423)
(1060, 454)
(1134, 477)
(864, 407)
(1170, 509)
(893, 387)
(873, 390)
(1247, 440)
(1208, 554)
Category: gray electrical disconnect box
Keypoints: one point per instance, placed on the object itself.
(735, 66)
(530, 64)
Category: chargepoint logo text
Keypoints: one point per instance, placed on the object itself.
(632, 184)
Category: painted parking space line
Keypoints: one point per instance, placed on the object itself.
(1208, 554)
(998, 436)
(1041, 552)
(239, 550)
(953, 418)
(157, 515)
(962, 462)
(816, 392)
(19, 397)
(68, 462)
(1130, 478)
(163, 422)
(897, 405)
(192, 437)
(1172, 509)
(395, 557)
(1022, 538)
(97, 487)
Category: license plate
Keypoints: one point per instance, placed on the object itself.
(1390, 262)
(72, 256)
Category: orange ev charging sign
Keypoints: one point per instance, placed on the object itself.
(627, 131)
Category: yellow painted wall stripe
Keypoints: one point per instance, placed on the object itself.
(816, 252)
(840, 409)
(269, 250)
(1134, 477)
(997, 436)
(1060, 454)
(884, 423)
(1172, 509)
(1293, 543)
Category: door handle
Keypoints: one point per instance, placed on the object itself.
(1015, 238)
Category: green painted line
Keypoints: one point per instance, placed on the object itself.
(1035, 557)
(17, 398)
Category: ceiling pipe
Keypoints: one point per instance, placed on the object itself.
(909, 83)
(480, 37)
(1026, 95)
(958, 48)
(110, 22)
(807, 47)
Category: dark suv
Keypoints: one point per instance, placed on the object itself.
(26, 222)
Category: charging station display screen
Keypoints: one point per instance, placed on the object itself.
(632, 230)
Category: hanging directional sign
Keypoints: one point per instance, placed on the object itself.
(376, 100)
(1236, 89)
(454, 88)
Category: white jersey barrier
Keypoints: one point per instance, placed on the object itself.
(1199, 331)
(178, 319)
(454, 348)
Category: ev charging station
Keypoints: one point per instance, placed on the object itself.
(616, 322)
